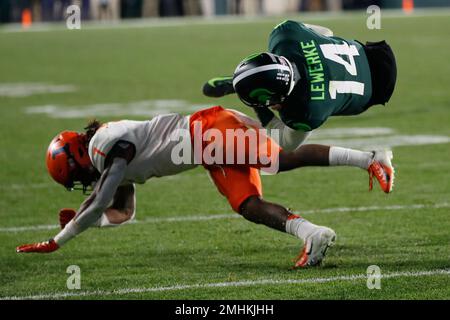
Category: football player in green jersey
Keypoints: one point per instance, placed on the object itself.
(327, 76)
(308, 75)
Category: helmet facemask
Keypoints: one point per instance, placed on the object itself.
(83, 179)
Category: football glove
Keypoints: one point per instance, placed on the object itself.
(65, 215)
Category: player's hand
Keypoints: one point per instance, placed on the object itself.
(40, 247)
(65, 215)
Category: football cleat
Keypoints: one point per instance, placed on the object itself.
(65, 215)
(381, 168)
(39, 247)
(315, 248)
(218, 87)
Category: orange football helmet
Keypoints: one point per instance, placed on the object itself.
(68, 161)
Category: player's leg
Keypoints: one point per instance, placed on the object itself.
(377, 163)
(241, 185)
(218, 87)
(316, 239)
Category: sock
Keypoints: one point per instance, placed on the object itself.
(299, 227)
(70, 231)
(348, 157)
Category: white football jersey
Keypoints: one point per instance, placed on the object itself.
(153, 146)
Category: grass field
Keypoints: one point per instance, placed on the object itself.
(188, 244)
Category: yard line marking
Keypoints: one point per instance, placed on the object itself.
(19, 90)
(351, 132)
(52, 185)
(378, 208)
(18, 186)
(368, 143)
(189, 218)
(30, 228)
(147, 108)
(43, 185)
(245, 283)
(230, 215)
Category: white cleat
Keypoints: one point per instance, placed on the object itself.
(315, 248)
(382, 169)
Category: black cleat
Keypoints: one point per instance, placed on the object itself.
(218, 87)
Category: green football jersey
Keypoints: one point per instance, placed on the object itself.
(336, 71)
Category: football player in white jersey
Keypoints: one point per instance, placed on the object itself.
(115, 155)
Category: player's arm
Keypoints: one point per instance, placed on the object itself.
(90, 211)
(289, 139)
(95, 205)
(123, 208)
(320, 30)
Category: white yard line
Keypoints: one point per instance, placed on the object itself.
(383, 142)
(52, 185)
(22, 186)
(146, 108)
(245, 283)
(351, 132)
(230, 215)
(19, 90)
